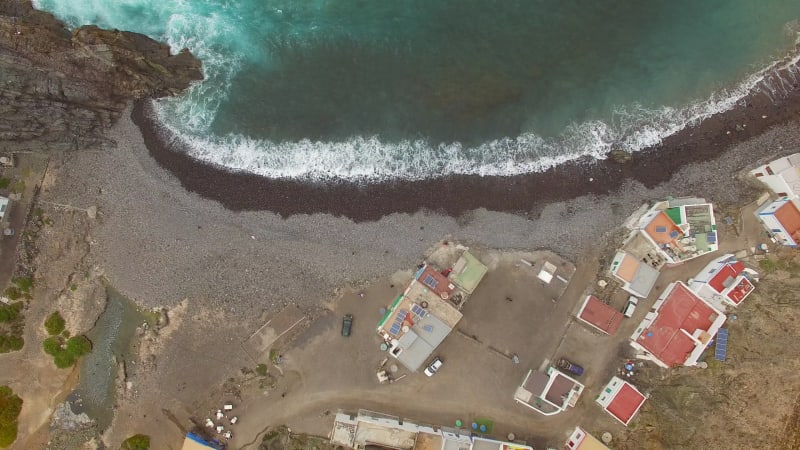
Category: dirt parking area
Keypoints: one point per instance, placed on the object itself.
(512, 312)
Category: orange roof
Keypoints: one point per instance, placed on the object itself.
(662, 229)
(789, 216)
(627, 268)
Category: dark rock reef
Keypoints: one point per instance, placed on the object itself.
(60, 90)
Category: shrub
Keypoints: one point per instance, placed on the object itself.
(24, 283)
(13, 293)
(9, 313)
(136, 442)
(54, 324)
(63, 360)
(5, 183)
(10, 343)
(10, 407)
(261, 370)
(53, 345)
(78, 346)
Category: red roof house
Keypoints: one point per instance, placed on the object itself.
(621, 399)
(599, 315)
(724, 282)
(678, 329)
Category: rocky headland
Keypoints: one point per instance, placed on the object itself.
(62, 89)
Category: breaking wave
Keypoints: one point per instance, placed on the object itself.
(225, 39)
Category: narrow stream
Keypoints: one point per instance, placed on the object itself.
(113, 339)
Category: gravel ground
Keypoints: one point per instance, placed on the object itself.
(159, 244)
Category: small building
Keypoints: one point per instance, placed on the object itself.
(781, 176)
(369, 428)
(467, 272)
(723, 282)
(621, 399)
(678, 229)
(195, 442)
(599, 315)
(428, 310)
(549, 392)
(581, 440)
(781, 218)
(637, 277)
(678, 329)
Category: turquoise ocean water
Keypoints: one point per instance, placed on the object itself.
(371, 89)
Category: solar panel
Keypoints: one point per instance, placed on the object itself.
(395, 329)
(673, 234)
(430, 282)
(661, 229)
(418, 311)
(721, 351)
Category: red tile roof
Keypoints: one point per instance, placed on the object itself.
(435, 281)
(732, 271)
(742, 290)
(789, 216)
(662, 229)
(626, 403)
(600, 315)
(681, 310)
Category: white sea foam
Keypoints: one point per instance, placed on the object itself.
(219, 39)
(370, 159)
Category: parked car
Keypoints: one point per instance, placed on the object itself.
(433, 366)
(347, 324)
(569, 366)
(630, 307)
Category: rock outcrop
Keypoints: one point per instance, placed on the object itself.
(60, 90)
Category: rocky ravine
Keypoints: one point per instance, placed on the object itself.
(60, 90)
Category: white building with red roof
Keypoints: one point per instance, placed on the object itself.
(678, 329)
(724, 282)
(621, 399)
(599, 315)
(781, 218)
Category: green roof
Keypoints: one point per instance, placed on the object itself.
(675, 215)
(472, 273)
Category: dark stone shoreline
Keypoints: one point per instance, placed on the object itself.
(457, 194)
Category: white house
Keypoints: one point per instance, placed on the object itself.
(724, 282)
(637, 277)
(782, 219)
(678, 329)
(781, 176)
(621, 399)
(679, 229)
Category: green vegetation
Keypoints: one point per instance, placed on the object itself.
(73, 287)
(10, 343)
(10, 407)
(136, 442)
(273, 355)
(10, 312)
(65, 353)
(54, 324)
(261, 370)
(24, 284)
(13, 293)
(5, 182)
(52, 345)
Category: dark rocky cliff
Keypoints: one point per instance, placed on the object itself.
(59, 90)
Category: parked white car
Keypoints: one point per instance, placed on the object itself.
(433, 366)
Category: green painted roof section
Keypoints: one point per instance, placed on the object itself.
(675, 215)
(472, 274)
(389, 311)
